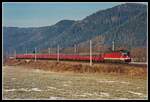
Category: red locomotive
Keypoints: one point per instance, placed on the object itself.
(121, 55)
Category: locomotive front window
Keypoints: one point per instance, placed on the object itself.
(124, 54)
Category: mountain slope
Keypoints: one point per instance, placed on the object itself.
(19, 38)
(132, 33)
(98, 23)
(123, 23)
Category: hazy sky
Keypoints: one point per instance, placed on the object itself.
(44, 14)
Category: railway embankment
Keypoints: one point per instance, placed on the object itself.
(81, 67)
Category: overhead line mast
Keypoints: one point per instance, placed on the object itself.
(90, 53)
(113, 46)
(57, 53)
(35, 55)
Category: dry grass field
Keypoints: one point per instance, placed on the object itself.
(26, 80)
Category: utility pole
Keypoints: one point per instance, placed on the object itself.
(90, 53)
(49, 51)
(15, 54)
(58, 53)
(26, 51)
(75, 49)
(35, 55)
(113, 46)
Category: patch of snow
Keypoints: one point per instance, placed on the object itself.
(82, 95)
(13, 78)
(60, 89)
(123, 82)
(106, 81)
(7, 90)
(35, 89)
(65, 85)
(136, 93)
(110, 81)
(95, 94)
(89, 94)
(50, 87)
(54, 98)
(104, 94)
(23, 89)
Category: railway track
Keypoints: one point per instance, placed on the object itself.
(124, 63)
(138, 64)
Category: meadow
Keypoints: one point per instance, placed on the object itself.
(35, 80)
